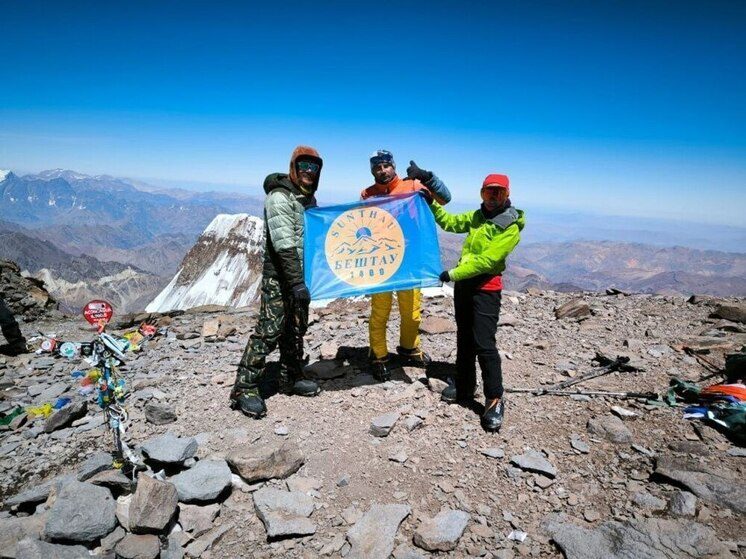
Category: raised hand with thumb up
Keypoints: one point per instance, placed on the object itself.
(415, 173)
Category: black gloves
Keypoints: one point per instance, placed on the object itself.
(301, 294)
(444, 277)
(414, 172)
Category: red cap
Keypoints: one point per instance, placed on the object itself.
(497, 180)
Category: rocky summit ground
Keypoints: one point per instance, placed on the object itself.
(371, 469)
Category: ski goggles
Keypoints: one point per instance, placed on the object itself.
(308, 166)
(381, 156)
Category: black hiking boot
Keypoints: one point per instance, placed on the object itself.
(305, 387)
(451, 396)
(415, 356)
(249, 402)
(297, 386)
(11, 350)
(380, 369)
(492, 419)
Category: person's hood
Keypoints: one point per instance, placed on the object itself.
(305, 153)
(508, 217)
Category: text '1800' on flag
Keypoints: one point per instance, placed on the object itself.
(373, 246)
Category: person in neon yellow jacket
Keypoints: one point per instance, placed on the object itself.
(493, 231)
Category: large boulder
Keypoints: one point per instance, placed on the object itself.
(14, 529)
(262, 462)
(170, 449)
(153, 505)
(372, 537)
(284, 513)
(81, 513)
(442, 532)
(715, 485)
(652, 538)
(204, 482)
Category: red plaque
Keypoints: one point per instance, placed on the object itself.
(98, 312)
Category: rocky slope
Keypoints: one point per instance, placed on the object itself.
(27, 298)
(368, 469)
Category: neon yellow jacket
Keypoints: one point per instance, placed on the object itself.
(488, 243)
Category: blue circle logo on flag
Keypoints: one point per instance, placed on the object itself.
(364, 246)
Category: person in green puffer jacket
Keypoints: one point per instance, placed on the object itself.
(283, 315)
(493, 231)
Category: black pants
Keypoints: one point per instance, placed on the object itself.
(9, 326)
(477, 313)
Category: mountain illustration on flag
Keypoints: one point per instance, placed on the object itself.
(366, 244)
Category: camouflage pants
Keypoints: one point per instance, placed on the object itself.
(281, 322)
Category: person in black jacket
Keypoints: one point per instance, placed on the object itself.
(12, 332)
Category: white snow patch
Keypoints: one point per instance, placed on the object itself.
(3, 174)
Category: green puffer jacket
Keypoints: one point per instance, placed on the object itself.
(284, 228)
(488, 243)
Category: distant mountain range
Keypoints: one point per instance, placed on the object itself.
(80, 228)
(124, 239)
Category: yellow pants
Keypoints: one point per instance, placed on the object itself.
(380, 309)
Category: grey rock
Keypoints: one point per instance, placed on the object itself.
(206, 541)
(610, 428)
(81, 513)
(533, 461)
(262, 462)
(682, 503)
(576, 308)
(646, 501)
(109, 542)
(113, 479)
(204, 482)
(651, 538)
(65, 416)
(382, 425)
(35, 549)
(443, 532)
(623, 413)
(134, 546)
(735, 312)
(718, 486)
(437, 325)
(14, 529)
(579, 445)
(284, 513)
(412, 422)
(95, 463)
(170, 449)
(404, 551)
(493, 452)
(53, 391)
(737, 452)
(159, 414)
(174, 550)
(123, 509)
(372, 537)
(307, 485)
(196, 519)
(152, 506)
(39, 493)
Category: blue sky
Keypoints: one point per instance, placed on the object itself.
(627, 108)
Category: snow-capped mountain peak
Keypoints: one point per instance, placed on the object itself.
(4, 174)
(224, 267)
